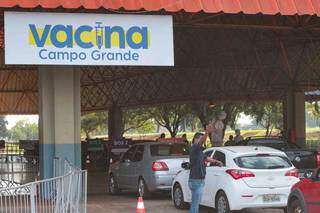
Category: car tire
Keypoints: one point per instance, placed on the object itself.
(222, 203)
(113, 187)
(295, 206)
(143, 189)
(177, 197)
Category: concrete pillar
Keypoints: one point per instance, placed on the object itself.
(59, 120)
(115, 123)
(294, 117)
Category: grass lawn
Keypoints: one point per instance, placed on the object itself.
(312, 134)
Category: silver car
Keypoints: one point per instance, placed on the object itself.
(147, 167)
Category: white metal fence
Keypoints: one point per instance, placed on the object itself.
(66, 192)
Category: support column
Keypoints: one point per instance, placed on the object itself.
(59, 120)
(294, 117)
(115, 123)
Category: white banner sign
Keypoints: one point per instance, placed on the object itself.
(88, 39)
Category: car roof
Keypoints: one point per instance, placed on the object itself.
(247, 150)
(157, 143)
(266, 139)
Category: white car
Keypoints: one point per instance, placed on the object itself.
(252, 177)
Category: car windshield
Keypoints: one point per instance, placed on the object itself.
(263, 162)
(169, 150)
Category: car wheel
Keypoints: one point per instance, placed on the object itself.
(222, 203)
(143, 189)
(113, 187)
(178, 198)
(295, 206)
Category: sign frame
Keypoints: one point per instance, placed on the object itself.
(88, 39)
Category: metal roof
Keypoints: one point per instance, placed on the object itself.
(267, 7)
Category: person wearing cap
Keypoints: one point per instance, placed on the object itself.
(198, 168)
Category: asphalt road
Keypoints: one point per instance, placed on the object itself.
(126, 203)
(99, 201)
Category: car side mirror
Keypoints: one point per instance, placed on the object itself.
(185, 165)
(126, 161)
(316, 175)
(308, 174)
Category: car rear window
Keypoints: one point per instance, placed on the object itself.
(169, 150)
(263, 162)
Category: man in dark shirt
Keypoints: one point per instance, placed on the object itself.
(198, 168)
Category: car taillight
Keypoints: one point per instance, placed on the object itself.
(293, 173)
(159, 166)
(318, 159)
(238, 174)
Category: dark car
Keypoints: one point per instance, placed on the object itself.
(305, 195)
(303, 159)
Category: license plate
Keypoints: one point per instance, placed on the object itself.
(271, 198)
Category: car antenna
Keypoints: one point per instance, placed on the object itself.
(256, 149)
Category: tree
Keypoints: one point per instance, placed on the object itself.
(139, 120)
(313, 113)
(23, 130)
(268, 115)
(93, 122)
(3, 127)
(147, 127)
(170, 116)
(206, 113)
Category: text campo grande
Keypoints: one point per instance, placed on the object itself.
(96, 55)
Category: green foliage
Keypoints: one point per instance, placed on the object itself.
(206, 113)
(148, 126)
(23, 130)
(170, 116)
(268, 115)
(3, 127)
(313, 114)
(92, 122)
(137, 120)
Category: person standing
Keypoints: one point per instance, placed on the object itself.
(238, 138)
(185, 139)
(217, 132)
(162, 136)
(198, 168)
(230, 142)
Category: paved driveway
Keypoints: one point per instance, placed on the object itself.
(126, 203)
(100, 202)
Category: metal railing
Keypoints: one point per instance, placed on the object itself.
(18, 165)
(66, 192)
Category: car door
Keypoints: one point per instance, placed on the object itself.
(214, 175)
(312, 193)
(125, 167)
(136, 167)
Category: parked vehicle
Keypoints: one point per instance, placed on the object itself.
(147, 167)
(252, 177)
(305, 195)
(305, 160)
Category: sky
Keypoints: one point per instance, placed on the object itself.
(244, 119)
(13, 119)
